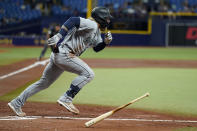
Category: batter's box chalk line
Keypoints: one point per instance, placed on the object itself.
(86, 118)
(18, 118)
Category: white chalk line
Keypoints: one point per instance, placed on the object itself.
(17, 118)
(25, 68)
(86, 118)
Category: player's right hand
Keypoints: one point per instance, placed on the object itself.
(108, 37)
(54, 40)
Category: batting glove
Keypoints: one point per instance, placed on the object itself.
(54, 40)
(108, 37)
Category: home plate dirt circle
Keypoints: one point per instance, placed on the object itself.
(52, 117)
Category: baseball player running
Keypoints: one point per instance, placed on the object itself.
(75, 36)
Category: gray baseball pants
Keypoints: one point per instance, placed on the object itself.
(59, 62)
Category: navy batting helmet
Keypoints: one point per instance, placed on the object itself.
(101, 15)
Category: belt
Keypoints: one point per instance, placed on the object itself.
(65, 46)
(55, 49)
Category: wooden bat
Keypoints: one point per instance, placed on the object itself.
(107, 114)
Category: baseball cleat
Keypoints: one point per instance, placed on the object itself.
(69, 106)
(17, 111)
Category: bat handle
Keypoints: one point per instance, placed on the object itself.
(98, 119)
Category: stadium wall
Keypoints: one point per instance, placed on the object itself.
(156, 37)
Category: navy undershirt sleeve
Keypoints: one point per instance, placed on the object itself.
(69, 24)
(99, 47)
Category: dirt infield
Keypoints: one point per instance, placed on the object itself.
(2, 51)
(47, 109)
(127, 119)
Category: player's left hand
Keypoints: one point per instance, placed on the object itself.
(54, 40)
(108, 38)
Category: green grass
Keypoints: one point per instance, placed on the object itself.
(12, 55)
(145, 53)
(172, 90)
(186, 129)
(17, 54)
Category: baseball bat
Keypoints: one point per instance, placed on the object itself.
(107, 114)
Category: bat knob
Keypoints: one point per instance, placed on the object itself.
(147, 94)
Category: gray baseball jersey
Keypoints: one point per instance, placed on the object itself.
(86, 36)
(75, 42)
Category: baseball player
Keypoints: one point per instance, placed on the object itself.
(54, 29)
(76, 35)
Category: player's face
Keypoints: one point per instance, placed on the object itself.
(103, 29)
(108, 20)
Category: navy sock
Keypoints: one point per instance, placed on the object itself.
(73, 91)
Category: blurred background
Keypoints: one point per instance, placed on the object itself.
(135, 22)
